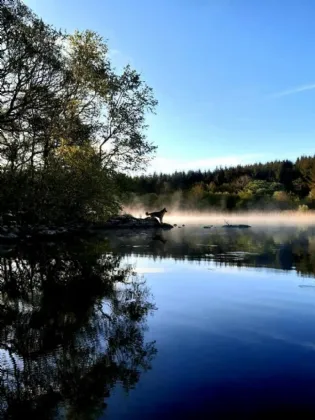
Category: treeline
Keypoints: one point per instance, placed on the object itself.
(69, 123)
(272, 185)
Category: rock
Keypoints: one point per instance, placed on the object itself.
(130, 222)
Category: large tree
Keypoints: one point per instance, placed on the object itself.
(66, 117)
(115, 103)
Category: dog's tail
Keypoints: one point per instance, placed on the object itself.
(147, 214)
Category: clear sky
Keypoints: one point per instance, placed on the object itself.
(235, 79)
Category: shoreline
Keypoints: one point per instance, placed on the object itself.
(16, 233)
(128, 223)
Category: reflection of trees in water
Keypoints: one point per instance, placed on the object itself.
(71, 326)
(285, 248)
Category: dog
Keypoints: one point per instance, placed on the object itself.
(157, 214)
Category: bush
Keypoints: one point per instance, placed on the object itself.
(281, 196)
(303, 208)
(259, 187)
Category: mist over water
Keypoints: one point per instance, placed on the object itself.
(255, 218)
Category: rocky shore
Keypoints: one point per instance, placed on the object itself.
(127, 221)
(11, 231)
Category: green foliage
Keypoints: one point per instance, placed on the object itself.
(69, 125)
(303, 208)
(272, 185)
(259, 187)
(245, 195)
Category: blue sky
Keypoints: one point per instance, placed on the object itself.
(235, 79)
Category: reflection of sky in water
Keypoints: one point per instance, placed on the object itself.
(224, 334)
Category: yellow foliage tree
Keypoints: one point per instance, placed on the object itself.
(196, 192)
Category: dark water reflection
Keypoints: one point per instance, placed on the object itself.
(72, 322)
(278, 248)
(233, 336)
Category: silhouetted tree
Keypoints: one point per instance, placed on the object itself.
(69, 124)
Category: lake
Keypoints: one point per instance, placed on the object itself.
(191, 323)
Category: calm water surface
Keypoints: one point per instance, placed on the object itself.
(191, 323)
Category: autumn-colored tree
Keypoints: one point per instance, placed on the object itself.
(196, 192)
(281, 196)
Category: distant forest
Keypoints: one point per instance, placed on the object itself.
(277, 185)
